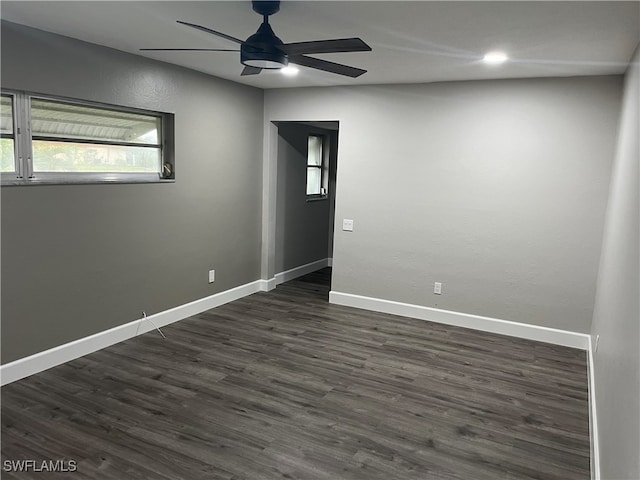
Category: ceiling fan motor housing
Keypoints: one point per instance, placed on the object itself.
(261, 49)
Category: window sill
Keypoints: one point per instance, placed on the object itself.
(318, 198)
(82, 180)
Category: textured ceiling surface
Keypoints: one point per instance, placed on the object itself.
(413, 42)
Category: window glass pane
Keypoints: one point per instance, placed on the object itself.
(314, 175)
(7, 145)
(50, 156)
(6, 115)
(314, 156)
(62, 120)
(7, 155)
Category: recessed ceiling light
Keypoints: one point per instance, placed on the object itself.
(289, 71)
(495, 58)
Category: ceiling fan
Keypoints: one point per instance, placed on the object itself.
(265, 51)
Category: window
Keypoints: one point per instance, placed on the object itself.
(8, 137)
(66, 141)
(316, 168)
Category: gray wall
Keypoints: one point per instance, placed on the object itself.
(616, 317)
(77, 260)
(302, 228)
(498, 189)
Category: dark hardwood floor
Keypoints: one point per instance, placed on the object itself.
(283, 385)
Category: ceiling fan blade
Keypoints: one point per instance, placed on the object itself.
(187, 50)
(212, 32)
(326, 66)
(247, 70)
(326, 46)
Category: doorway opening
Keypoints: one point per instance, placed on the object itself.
(305, 187)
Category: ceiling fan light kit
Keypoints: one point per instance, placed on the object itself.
(265, 51)
(262, 49)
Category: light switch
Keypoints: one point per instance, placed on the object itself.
(347, 225)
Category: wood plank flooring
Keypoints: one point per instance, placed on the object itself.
(283, 385)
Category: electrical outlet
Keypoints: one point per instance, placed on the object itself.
(347, 225)
(212, 276)
(437, 288)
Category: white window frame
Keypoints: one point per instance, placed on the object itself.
(24, 174)
(324, 173)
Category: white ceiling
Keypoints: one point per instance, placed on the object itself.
(413, 42)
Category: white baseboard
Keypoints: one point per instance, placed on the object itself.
(476, 322)
(41, 361)
(593, 417)
(268, 285)
(301, 270)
